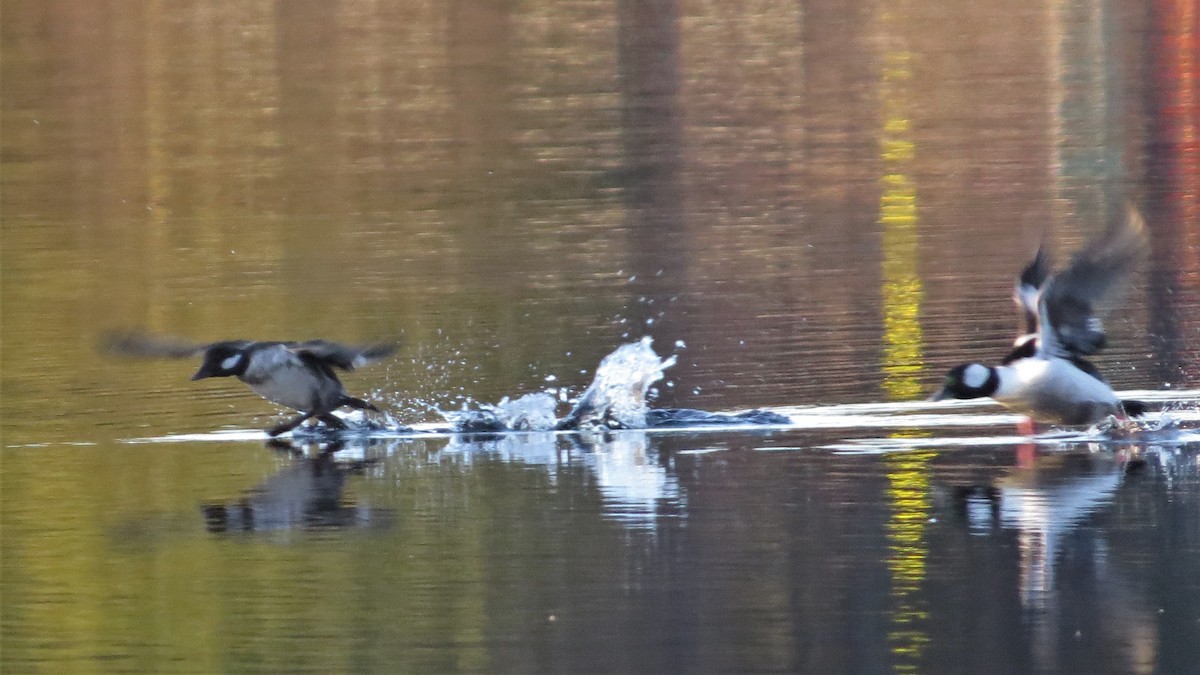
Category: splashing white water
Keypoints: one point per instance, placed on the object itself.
(531, 412)
(617, 396)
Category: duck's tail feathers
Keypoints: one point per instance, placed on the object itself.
(1134, 408)
(357, 403)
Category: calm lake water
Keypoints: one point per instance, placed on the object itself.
(818, 207)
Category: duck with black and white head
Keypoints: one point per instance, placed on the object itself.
(1047, 376)
(298, 375)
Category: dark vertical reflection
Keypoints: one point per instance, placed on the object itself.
(478, 53)
(307, 62)
(841, 176)
(842, 137)
(478, 44)
(1173, 185)
(648, 45)
(487, 227)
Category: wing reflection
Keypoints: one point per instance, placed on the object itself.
(307, 494)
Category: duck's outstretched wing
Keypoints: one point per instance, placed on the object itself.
(346, 357)
(1070, 303)
(144, 345)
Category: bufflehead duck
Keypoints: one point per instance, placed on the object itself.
(1046, 376)
(299, 375)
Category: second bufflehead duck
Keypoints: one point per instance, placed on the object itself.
(1046, 376)
(299, 375)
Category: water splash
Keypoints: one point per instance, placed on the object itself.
(531, 412)
(616, 399)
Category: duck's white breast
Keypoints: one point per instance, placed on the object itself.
(1054, 390)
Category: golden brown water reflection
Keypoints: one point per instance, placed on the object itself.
(824, 202)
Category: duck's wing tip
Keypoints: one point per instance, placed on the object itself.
(1072, 301)
(346, 357)
(140, 344)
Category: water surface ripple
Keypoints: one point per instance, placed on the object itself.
(814, 209)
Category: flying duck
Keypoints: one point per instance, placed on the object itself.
(299, 375)
(1046, 375)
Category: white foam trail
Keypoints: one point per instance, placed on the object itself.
(1179, 406)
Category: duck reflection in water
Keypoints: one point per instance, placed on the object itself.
(307, 494)
(1051, 500)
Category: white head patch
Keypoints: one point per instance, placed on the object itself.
(975, 375)
(231, 362)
